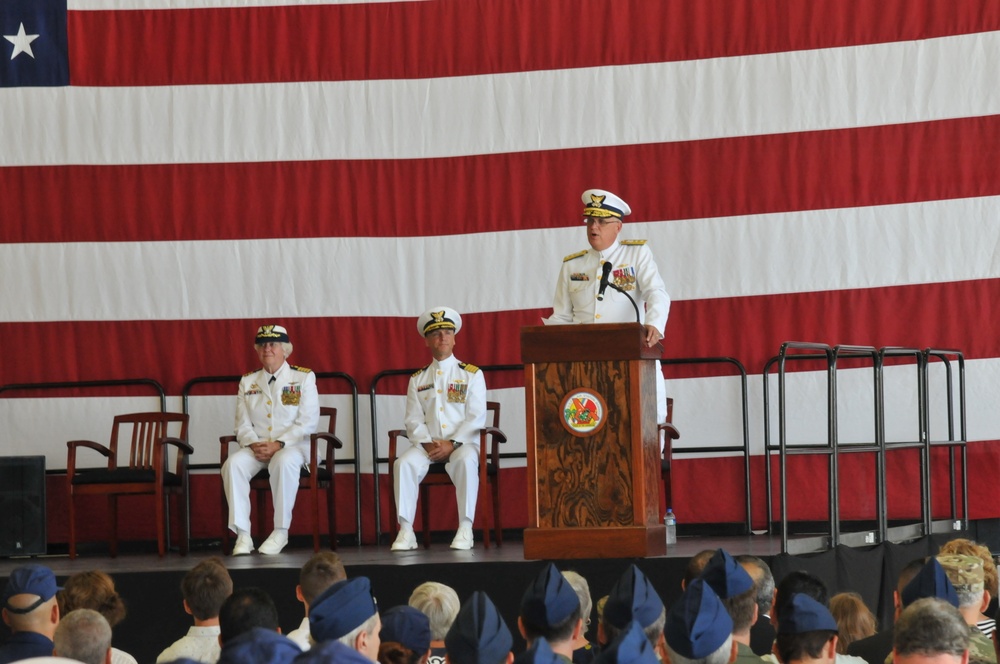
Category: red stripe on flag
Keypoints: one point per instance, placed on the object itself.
(751, 329)
(721, 177)
(436, 39)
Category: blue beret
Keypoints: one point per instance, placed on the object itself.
(479, 635)
(726, 576)
(261, 646)
(341, 608)
(698, 624)
(804, 614)
(408, 627)
(549, 600)
(930, 581)
(331, 651)
(31, 580)
(632, 598)
(631, 647)
(540, 652)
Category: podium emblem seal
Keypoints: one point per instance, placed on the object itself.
(583, 412)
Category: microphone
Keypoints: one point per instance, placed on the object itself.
(604, 281)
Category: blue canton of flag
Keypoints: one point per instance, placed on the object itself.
(33, 44)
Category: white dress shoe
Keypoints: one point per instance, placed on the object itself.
(406, 540)
(463, 539)
(274, 543)
(243, 546)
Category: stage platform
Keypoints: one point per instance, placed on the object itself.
(151, 585)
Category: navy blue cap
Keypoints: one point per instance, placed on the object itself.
(630, 647)
(726, 576)
(408, 627)
(540, 652)
(30, 579)
(549, 600)
(698, 623)
(331, 651)
(632, 598)
(804, 614)
(261, 646)
(341, 608)
(930, 581)
(479, 635)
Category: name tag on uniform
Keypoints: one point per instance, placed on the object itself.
(291, 395)
(254, 389)
(457, 392)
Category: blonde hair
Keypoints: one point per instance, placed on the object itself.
(966, 547)
(92, 590)
(854, 620)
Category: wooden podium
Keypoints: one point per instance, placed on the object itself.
(593, 452)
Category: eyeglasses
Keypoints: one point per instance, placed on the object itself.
(602, 222)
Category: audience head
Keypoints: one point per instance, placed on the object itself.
(929, 581)
(538, 653)
(797, 582)
(806, 631)
(550, 608)
(83, 635)
(92, 590)
(30, 601)
(631, 647)
(696, 566)
(582, 589)
(332, 651)
(347, 612)
(966, 574)
(969, 548)
(929, 630)
(479, 635)
(698, 627)
(244, 610)
(405, 636)
(319, 573)
(854, 619)
(763, 581)
(259, 645)
(633, 598)
(205, 588)
(439, 603)
(734, 587)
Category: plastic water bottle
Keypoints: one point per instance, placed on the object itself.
(670, 522)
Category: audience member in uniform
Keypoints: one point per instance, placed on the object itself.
(967, 547)
(855, 621)
(550, 610)
(583, 650)
(96, 590)
(479, 634)
(633, 598)
(966, 574)
(735, 588)
(204, 589)
(539, 652)
(249, 631)
(31, 611)
(807, 632)
(440, 604)
(698, 629)
(319, 573)
(878, 647)
(631, 647)
(762, 632)
(346, 612)
(405, 637)
(695, 566)
(85, 636)
(800, 582)
(931, 631)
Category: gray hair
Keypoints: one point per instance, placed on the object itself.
(653, 631)
(368, 627)
(582, 589)
(439, 603)
(763, 581)
(931, 626)
(720, 656)
(286, 347)
(83, 635)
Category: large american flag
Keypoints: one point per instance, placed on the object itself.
(175, 172)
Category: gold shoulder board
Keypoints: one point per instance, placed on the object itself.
(633, 243)
(471, 368)
(302, 369)
(576, 255)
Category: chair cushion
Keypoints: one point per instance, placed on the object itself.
(123, 476)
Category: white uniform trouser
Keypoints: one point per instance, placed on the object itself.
(284, 468)
(462, 467)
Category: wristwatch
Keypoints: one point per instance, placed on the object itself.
(281, 443)
(456, 444)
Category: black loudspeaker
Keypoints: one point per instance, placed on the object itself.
(22, 506)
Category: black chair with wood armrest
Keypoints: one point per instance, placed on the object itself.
(146, 472)
(490, 438)
(319, 475)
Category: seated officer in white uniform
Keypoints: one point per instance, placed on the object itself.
(277, 408)
(633, 269)
(445, 409)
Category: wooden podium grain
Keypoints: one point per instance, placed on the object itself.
(596, 495)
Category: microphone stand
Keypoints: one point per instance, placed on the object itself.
(630, 299)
